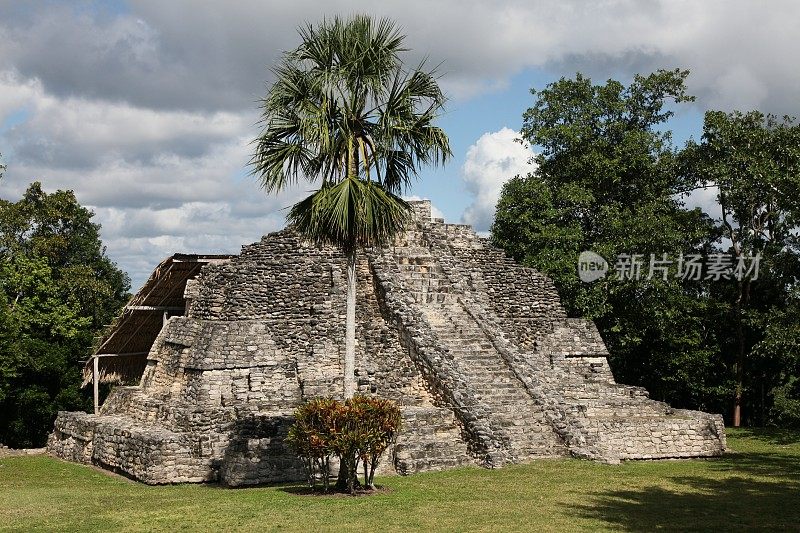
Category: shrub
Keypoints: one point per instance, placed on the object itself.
(357, 430)
(311, 436)
(377, 424)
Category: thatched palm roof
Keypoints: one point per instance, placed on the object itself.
(123, 348)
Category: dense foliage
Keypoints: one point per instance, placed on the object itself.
(57, 290)
(753, 162)
(355, 431)
(608, 179)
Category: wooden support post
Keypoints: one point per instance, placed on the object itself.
(96, 383)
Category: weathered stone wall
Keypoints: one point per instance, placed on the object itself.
(514, 294)
(677, 436)
(476, 350)
(263, 333)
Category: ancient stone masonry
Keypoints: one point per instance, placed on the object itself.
(476, 350)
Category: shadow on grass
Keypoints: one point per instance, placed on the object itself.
(774, 436)
(761, 492)
(305, 490)
(773, 465)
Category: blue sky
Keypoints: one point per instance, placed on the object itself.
(466, 121)
(146, 109)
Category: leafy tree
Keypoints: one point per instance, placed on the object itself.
(606, 181)
(377, 422)
(609, 180)
(753, 161)
(774, 365)
(344, 112)
(57, 290)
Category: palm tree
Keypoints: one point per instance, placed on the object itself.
(344, 112)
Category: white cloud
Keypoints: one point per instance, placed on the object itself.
(739, 88)
(16, 94)
(493, 160)
(147, 112)
(205, 55)
(71, 132)
(705, 199)
(139, 239)
(159, 182)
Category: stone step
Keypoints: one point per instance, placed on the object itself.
(495, 391)
(478, 358)
(428, 298)
(467, 335)
(481, 366)
(475, 349)
(501, 386)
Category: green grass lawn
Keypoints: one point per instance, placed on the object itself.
(757, 485)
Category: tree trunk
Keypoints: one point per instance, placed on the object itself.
(743, 300)
(373, 466)
(326, 473)
(738, 368)
(343, 480)
(350, 332)
(342, 477)
(737, 396)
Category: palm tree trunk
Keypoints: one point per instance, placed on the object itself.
(350, 332)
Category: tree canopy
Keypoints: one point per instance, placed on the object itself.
(752, 161)
(606, 181)
(57, 290)
(346, 113)
(609, 180)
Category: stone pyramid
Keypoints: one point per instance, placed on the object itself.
(476, 350)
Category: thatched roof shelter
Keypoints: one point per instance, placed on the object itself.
(122, 350)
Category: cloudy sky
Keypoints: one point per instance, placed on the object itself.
(146, 108)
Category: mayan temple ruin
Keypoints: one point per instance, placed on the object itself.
(477, 351)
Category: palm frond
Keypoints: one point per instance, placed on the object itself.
(344, 112)
(350, 214)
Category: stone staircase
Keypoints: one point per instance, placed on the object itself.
(532, 405)
(524, 431)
